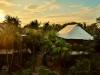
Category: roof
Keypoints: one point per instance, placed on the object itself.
(3, 51)
(78, 52)
(74, 32)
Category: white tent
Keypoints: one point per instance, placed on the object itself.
(74, 32)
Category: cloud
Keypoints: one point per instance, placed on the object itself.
(38, 11)
(8, 3)
(83, 14)
(97, 8)
(56, 6)
(73, 6)
(42, 7)
(56, 15)
(50, 2)
(34, 6)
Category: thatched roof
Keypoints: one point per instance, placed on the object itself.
(74, 32)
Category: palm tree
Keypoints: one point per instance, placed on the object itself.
(46, 26)
(10, 36)
(12, 21)
(33, 24)
(33, 39)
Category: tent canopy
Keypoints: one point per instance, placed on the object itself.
(74, 32)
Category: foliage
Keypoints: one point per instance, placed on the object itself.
(46, 39)
(95, 62)
(27, 64)
(33, 24)
(33, 61)
(12, 21)
(63, 71)
(33, 39)
(81, 67)
(58, 50)
(45, 71)
(26, 72)
(13, 73)
(4, 73)
(87, 66)
(85, 46)
(55, 45)
(11, 37)
(46, 26)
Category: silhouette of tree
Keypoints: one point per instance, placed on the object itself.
(33, 24)
(12, 21)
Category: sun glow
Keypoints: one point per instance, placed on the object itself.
(1, 16)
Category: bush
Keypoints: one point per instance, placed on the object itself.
(45, 71)
(26, 72)
(13, 73)
(3, 73)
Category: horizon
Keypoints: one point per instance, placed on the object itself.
(54, 11)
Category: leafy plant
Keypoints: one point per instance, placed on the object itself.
(45, 71)
(26, 72)
(13, 73)
(82, 67)
(3, 73)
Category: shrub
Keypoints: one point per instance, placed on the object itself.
(45, 71)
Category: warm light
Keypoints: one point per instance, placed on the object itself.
(1, 17)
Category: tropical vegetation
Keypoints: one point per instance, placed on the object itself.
(46, 53)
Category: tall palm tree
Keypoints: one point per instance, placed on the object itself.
(12, 21)
(34, 38)
(9, 36)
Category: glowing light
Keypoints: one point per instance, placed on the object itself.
(1, 15)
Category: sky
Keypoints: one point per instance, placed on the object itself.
(54, 11)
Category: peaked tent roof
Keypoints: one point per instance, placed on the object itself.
(74, 32)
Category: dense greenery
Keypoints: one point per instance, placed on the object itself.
(47, 48)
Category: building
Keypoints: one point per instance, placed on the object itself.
(74, 32)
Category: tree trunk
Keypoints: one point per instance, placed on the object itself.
(11, 58)
(33, 64)
(34, 52)
(7, 57)
(21, 53)
(39, 59)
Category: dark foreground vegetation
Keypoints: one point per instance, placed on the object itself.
(39, 51)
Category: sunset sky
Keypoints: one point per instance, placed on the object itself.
(54, 11)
